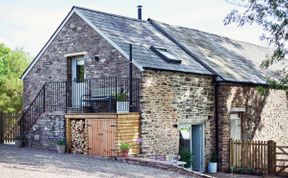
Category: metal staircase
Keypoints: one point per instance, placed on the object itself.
(32, 113)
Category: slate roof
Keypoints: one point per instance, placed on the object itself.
(199, 52)
(232, 60)
(142, 35)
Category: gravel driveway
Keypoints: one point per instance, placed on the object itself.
(26, 163)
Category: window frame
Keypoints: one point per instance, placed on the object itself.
(158, 51)
(240, 125)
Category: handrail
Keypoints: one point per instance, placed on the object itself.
(24, 127)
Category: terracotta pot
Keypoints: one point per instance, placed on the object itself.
(124, 153)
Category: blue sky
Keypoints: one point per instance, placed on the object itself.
(28, 24)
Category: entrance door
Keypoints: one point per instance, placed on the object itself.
(198, 147)
(78, 84)
(192, 138)
(101, 137)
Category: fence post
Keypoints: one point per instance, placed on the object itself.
(1, 127)
(231, 152)
(271, 157)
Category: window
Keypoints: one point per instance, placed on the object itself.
(235, 128)
(80, 70)
(165, 54)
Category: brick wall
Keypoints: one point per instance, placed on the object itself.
(169, 98)
(265, 117)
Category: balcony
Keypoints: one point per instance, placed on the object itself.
(98, 95)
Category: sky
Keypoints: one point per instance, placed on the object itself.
(28, 24)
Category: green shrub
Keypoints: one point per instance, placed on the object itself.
(124, 146)
(19, 138)
(60, 142)
(187, 156)
(214, 157)
(262, 90)
(121, 96)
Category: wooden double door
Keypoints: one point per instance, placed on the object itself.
(102, 137)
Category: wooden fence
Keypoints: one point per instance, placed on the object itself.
(258, 157)
(128, 131)
(9, 128)
(281, 160)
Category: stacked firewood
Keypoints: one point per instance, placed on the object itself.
(79, 135)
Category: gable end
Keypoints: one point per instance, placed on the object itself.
(63, 23)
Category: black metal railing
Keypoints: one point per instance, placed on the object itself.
(90, 95)
(106, 95)
(33, 112)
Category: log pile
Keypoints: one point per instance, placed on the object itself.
(79, 135)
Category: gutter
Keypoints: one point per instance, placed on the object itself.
(229, 82)
(167, 70)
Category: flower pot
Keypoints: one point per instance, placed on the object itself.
(124, 153)
(122, 106)
(18, 143)
(212, 167)
(61, 149)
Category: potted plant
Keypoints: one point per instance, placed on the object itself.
(61, 145)
(19, 141)
(212, 165)
(187, 156)
(122, 103)
(124, 148)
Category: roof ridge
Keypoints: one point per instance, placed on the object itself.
(211, 34)
(110, 14)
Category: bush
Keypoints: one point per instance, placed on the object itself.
(214, 157)
(187, 156)
(124, 146)
(121, 96)
(61, 142)
(19, 138)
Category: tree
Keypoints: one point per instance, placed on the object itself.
(12, 65)
(272, 15)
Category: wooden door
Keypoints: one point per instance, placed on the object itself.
(101, 137)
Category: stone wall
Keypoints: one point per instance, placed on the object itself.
(76, 36)
(49, 128)
(169, 99)
(265, 117)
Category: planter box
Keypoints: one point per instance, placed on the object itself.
(122, 106)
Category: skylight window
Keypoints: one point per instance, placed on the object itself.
(164, 54)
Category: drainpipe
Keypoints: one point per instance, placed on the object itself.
(130, 78)
(216, 90)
